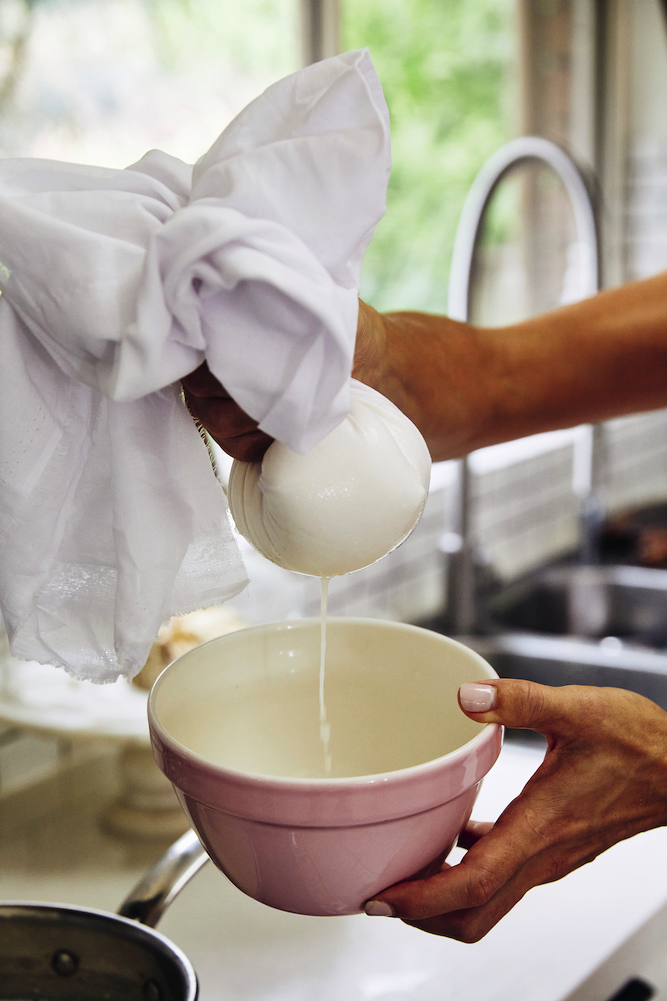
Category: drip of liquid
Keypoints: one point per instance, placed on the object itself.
(325, 728)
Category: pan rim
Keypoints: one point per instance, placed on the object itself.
(101, 916)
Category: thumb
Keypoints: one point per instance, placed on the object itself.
(523, 704)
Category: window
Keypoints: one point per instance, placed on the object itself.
(103, 81)
(448, 74)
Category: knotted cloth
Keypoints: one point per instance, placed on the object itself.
(115, 284)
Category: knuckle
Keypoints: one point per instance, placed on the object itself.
(534, 698)
(481, 888)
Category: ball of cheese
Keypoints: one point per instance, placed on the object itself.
(347, 502)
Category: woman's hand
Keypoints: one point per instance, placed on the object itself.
(238, 434)
(212, 406)
(466, 386)
(604, 778)
(430, 367)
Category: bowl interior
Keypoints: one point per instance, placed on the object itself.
(250, 700)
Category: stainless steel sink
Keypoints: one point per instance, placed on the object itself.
(551, 660)
(580, 625)
(591, 601)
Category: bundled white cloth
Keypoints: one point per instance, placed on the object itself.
(350, 500)
(115, 284)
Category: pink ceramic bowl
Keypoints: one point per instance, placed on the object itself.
(235, 725)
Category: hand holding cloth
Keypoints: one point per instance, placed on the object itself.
(116, 284)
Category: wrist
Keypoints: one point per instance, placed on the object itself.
(441, 374)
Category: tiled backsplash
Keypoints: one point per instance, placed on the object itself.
(525, 512)
(636, 461)
(646, 210)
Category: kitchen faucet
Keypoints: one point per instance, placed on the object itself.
(461, 592)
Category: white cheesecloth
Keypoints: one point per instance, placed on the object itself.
(115, 284)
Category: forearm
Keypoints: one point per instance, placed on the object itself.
(466, 387)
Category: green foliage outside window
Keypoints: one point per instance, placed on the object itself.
(446, 67)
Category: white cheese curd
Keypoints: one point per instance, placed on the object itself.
(347, 502)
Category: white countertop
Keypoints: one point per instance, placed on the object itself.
(551, 942)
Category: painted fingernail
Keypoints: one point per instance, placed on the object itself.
(477, 698)
(379, 909)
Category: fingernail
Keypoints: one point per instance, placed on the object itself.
(476, 698)
(379, 909)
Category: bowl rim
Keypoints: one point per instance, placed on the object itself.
(487, 734)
